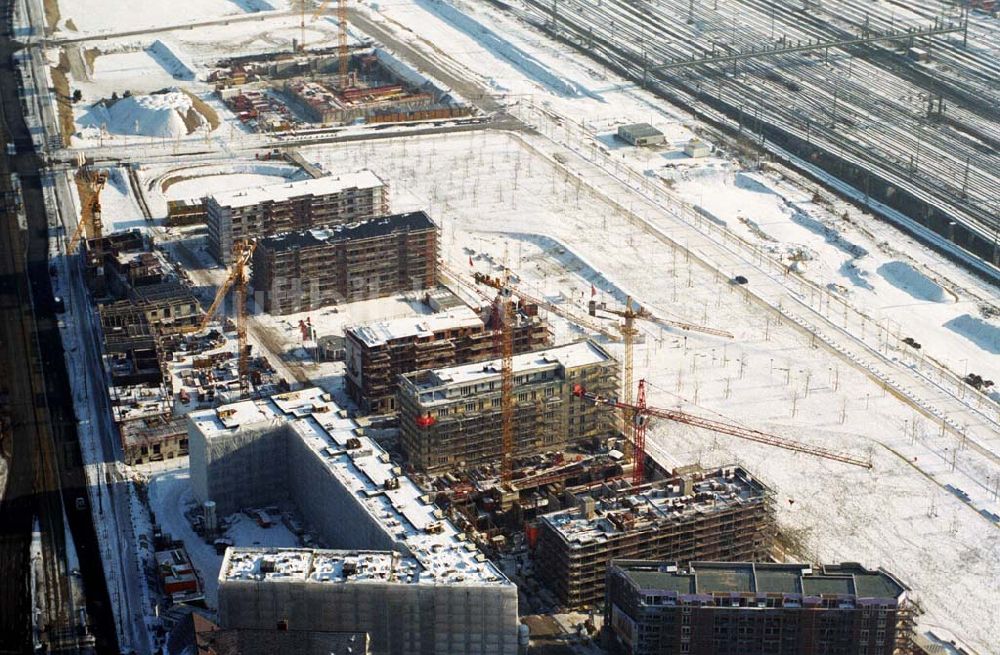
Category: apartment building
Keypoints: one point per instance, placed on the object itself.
(290, 206)
(378, 353)
(304, 270)
(720, 515)
(450, 417)
(746, 608)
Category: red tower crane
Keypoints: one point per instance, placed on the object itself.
(640, 414)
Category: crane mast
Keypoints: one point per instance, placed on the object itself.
(237, 280)
(503, 336)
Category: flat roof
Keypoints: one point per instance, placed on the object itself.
(381, 332)
(573, 355)
(320, 186)
(319, 566)
(755, 578)
(661, 504)
(369, 229)
(405, 513)
(641, 130)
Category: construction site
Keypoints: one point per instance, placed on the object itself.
(608, 336)
(317, 87)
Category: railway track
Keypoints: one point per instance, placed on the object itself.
(879, 117)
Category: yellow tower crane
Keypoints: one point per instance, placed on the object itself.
(237, 280)
(89, 184)
(629, 331)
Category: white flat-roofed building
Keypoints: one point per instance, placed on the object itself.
(451, 416)
(289, 206)
(300, 447)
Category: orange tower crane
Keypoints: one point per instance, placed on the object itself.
(640, 413)
(503, 335)
(342, 42)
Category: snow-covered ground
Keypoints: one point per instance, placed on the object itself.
(565, 227)
(96, 16)
(170, 495)
(502, 194)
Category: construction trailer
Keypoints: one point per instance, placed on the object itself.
(259, 212)
(378, 353)
(450, 417)
(404, 608)
(719, 515)
(305, 270)
(301, 448)
(663, 608)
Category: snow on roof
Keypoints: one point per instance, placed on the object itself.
(322, 566)
(641, 130)
(381, 332)
(665, 502)
(367, 229)
(284, 191)
(363, 468)
(573, 355)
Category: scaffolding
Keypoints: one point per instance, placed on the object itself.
(721, 515)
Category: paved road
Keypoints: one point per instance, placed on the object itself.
(45, 464)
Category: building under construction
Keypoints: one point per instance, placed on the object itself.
(314, 203)
(304, 270)
(450, 417)
(719, 515)
(427, 590)
(405, 608)
(323, 87)
(660, 608)
(378, 353)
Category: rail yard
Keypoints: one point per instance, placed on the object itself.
(496, 327)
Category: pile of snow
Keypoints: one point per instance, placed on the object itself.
(169, 113)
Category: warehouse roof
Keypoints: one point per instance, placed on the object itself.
(319, 186)
(381, 332)
(364, 469)
(842, 580)
(370, 229)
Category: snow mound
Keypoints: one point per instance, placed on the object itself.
(906, 278)
(983, 334)
(169, 114)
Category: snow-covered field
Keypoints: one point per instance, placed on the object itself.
(499, 193)
(565, 227)
(96, 16)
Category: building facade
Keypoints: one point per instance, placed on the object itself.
(378, 353)
(385, 594)
(451, 416)
(290, 206)
(659, 608)
(415, 584)
(302, 271)
(721, 515)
